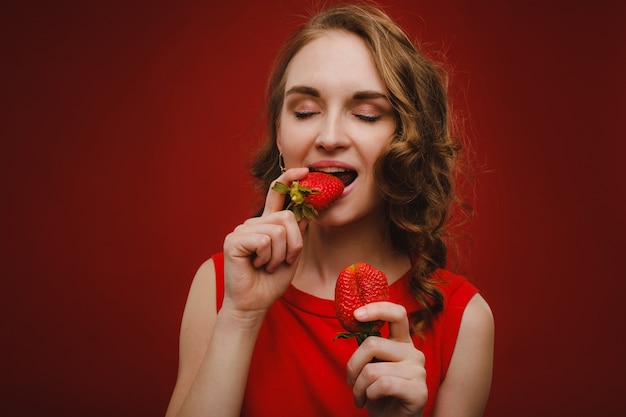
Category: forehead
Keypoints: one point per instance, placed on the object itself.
(334, 60)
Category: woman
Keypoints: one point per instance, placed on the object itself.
(349, 94)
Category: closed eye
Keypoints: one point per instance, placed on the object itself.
(367, 118)
(304, 114)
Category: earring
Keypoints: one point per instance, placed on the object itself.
(281, 163)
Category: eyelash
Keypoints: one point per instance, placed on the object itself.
(369, 119)
(365, 118)
(304, 114)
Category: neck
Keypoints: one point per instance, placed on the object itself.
(329, 249)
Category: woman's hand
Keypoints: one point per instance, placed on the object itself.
(394, 384)
(260, 255)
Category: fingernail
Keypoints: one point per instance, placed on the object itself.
(359, 313)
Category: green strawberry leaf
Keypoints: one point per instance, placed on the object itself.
(297, 195)
(308, 211)
(360, 336)
(280, 188)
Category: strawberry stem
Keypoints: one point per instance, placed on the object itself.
(297, 197)
(360, 336)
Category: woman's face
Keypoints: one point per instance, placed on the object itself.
(336, 118)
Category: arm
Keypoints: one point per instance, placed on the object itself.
(215, 352)
(465, 389)
(195, 332)
(260, 258)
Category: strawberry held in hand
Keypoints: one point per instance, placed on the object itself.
(313, 193)
(357, 285)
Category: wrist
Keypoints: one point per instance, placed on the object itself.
(246, 320)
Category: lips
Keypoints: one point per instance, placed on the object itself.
(347, 176)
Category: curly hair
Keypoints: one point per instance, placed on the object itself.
(415, 171)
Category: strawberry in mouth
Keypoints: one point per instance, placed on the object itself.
(313, 193)
(347, 176)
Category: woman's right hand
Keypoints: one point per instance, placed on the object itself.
(260, 255)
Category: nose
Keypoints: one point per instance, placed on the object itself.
(332, 134)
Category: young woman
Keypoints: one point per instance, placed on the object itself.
(349, 94)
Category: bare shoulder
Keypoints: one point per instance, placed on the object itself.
(200, 309)
(474, 344)
(465, 389)
(477, 317)
(203, 285)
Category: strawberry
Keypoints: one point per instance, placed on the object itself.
(357, 285)
(313, 193)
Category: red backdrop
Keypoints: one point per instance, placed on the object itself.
(125, 132)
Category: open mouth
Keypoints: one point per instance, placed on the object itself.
(346, 176)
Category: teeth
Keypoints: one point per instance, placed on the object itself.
(330, 170)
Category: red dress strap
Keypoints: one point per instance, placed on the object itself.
(218, 261)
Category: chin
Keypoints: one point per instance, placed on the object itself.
(331, 218)
(339, 218)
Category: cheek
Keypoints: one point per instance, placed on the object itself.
(286, 128)
(374, 148)
(375, 138)
(286, 137)
(290, 144)
(294, 137)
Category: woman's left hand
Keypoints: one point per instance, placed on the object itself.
(394, 384)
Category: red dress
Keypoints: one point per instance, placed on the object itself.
(297, 369)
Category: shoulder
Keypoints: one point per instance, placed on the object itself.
(196, 328)
(476, 332)
(204, 280)
(457, 294)
(465, 388)
(200, 308)
(464, 308)
(455, 288)
(200, 312)
(463, 300)
(477, 315)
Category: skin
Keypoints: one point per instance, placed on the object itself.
(335, 115)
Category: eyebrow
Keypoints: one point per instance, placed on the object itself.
(359, 95)
(300, 89)
(364, 95)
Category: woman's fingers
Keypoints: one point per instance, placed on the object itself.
(379, 348)
(276, 236)
(394, 314)
(390, 379)
(398, 371)
(382, 350)
(269, 240)
(374, 371)
(275, 201)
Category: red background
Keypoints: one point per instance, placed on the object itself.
(125, 132)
